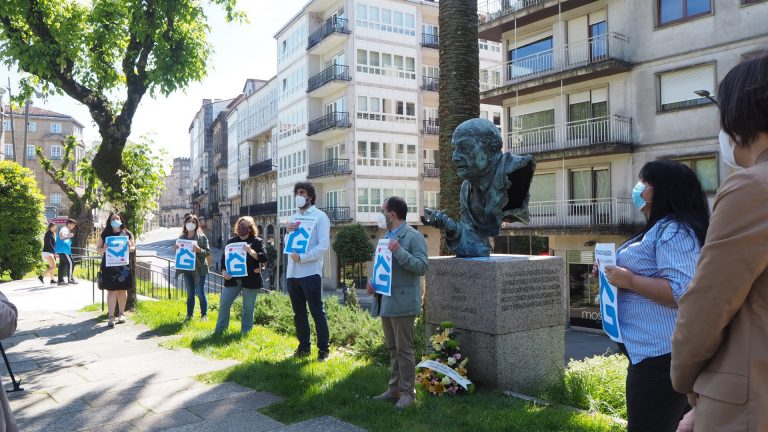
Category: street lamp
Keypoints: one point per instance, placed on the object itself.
(705, 94)
(27, 103)
(2, 126)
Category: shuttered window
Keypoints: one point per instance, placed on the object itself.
(678, 87)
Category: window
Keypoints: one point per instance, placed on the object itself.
(543, 196)
(9, 150)
(55, 199)
(55, 152)
(7, 124)
(706, 171)
(56, 128)
(30, 151)
(677, 87)
(432, 200)
(590, 184)
(671, 11)
(532, 58)
(32, 127)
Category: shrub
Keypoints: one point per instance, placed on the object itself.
(596, 384)
(22, 223)
(351, 299)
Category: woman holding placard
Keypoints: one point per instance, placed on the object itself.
(194, 279)
(116, 279)
(652, 271)
(241, 262)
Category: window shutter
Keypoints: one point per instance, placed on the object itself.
(678, 86)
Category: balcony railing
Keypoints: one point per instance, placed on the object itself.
(430, 127)
(214, 207)
(430, 83)
(431, 170)
(197, 194)
(565, 57)
(332, 73)
(259, 209)
(259, 168)
(430, 40)
(580, 213)
(329, 121)
(331, 25)
(582, 133)
(338, 214)
(489, 10)
(330, 167)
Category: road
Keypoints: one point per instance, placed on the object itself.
(160, 243)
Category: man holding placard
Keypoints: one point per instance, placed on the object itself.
(306, 244)
(400, 261)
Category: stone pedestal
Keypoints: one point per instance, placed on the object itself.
(508, 310)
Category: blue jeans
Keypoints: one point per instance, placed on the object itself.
(228, 296)
(303, 291)
(195, 287)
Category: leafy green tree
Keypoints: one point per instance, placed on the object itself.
(353, 247)
(22, 223)
(81, 186)
(107, 54)
(459, 90)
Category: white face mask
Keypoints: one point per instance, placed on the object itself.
(191, 226)
(381, 220)
(300, 201)
(726, 150)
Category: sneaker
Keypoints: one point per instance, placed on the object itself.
(72, 281)
(323, 356)
(42, 281)
(62, 283)
(111, 322)
(388, 395)
(300, 353)
(204, 318)
(121, 320)
(405, 401)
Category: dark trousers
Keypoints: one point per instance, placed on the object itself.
(652, 404)
(303, 291)
(65, 267)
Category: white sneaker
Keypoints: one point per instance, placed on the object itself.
(121, 320)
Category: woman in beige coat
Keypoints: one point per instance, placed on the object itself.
(719, 350)
(8, 315)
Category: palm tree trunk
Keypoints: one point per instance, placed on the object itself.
(459, 90)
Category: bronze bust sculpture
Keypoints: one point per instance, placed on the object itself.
(495, 189)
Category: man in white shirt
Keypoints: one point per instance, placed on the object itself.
(304, 273)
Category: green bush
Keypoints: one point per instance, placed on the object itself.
(596, 384)
(22, 223)
(351, 299)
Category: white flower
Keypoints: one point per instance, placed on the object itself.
(451, 361)
(446, 381)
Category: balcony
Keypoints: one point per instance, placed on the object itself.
(328, 81)
(214, 208)
(496, 17)
(268, 208)
(430, 40)
(332, 31)
(431, 170)
(330, 167)
(197, 194)
(608, 214)
(579, 61)
(260, 168)
(329, 122)
(600, 135)
(430, 127)
(430, 83)
(338, 214)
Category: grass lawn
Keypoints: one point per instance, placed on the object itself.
(343, 385)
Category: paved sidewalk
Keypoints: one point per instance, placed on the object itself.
(77, 374)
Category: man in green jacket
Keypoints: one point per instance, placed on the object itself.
(398, 311)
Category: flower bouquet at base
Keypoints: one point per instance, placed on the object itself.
(444, 371)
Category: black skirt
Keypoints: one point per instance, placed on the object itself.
(115, 278)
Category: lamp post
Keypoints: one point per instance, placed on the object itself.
(705, 94)
(27, 103)
(2, 126)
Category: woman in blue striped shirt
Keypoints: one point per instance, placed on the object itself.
(653, 270)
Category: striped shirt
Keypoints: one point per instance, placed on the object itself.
(670, 251)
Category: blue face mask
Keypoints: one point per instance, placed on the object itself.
(637, 198)
(116, 224)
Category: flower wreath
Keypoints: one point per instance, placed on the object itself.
(445, 369)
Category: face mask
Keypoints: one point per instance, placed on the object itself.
(381, 220)
(243, 231)
(191, 226)
(116, 224)
(637, 198)
(726, 150)
(300, 201)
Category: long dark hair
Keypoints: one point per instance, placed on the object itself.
(108, 226)
(677, 195)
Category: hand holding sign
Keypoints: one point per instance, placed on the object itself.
(185, 254)
(116, 251)
(298, 240)
(609, 308)
(234, 259)
(382, 268)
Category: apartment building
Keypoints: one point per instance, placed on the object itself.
(47, 130)
(595, 89)
(357, 109)
(174, 200)
(201, 156)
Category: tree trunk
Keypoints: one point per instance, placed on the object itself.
(84, 220)
(459, 91)
(109, 157)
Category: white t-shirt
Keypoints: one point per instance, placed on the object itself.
(64, 233)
